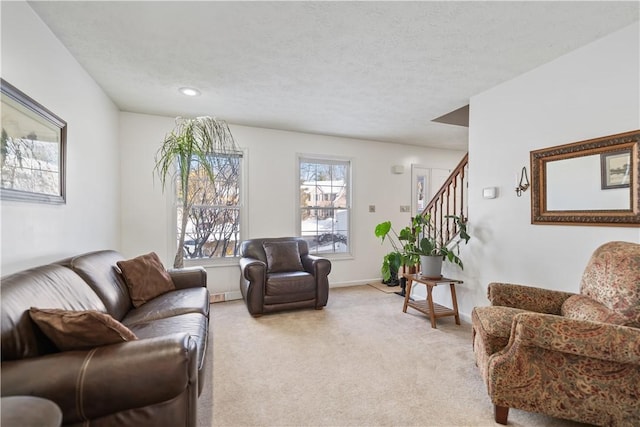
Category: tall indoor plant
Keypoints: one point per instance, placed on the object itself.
(186, 148)
(403, 245)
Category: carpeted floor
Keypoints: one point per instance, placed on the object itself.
(358, 362)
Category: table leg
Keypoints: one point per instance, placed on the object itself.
(454, 300)
(432, 313)
(407, 293)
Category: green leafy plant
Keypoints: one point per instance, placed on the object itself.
(403, 246)
(422, 237)
(430, 241)
(186, 148)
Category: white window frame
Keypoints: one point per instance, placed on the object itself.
(298, 218)
(244, 221)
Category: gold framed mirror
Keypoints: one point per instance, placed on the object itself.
(592, 182)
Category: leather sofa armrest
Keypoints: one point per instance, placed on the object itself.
(105, 380)
(253, 270)
(318, 266)
(253, 279)
(189, 277)
(585, 338)
(527, 297)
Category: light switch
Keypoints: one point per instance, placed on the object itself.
(372, 208)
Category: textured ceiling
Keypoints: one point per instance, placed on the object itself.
(371, 70)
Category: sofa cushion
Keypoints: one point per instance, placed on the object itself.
(282, 256)
(79, 330)
(50, 285)
(194, 324)
(174, 303)
(98, 269)
(581, 307)
(145, 277)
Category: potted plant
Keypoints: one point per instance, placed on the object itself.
(431, 246)
(188, 147)
(402, 255)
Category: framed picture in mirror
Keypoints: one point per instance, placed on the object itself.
(615, 168)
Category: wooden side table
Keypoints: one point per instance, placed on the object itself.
(428, 307)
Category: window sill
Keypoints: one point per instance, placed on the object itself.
(336, 257)
(212, 263)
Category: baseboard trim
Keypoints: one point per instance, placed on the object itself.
(225, 296)
(232, 295)
(353, 283)
(236, 295)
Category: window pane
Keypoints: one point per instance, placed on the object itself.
(213, 222)
(324, 205)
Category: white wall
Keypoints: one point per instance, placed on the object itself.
(272, 189)
(35, 62)
(591, 92)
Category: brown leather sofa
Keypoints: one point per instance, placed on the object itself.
(276, 279)
(152, 381)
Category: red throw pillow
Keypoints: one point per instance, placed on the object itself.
(146, 278)
(80, 330)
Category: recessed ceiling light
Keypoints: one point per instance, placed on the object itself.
(189, 91)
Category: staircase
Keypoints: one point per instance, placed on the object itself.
(451, 199)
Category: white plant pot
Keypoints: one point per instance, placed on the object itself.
(431, 266)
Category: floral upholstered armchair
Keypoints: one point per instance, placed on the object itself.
(573, 356)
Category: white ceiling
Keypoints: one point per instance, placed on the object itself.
(371, 70)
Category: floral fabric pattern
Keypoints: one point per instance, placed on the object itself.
(580, 370)
(612, 277)
(581, 307)
(527, 297)
(573, 356)
(493, 325)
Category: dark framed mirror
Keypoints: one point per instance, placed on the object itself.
(592, 182)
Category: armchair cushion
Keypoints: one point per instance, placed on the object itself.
(146, 278)
(612, 277)
(289, 287)
(581, 307)
(282, 257)
(80, 330)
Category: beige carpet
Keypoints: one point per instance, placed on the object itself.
(358, 362)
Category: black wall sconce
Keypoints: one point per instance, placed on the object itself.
(523, 183)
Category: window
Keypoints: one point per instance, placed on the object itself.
(213, 222)
(325, 204)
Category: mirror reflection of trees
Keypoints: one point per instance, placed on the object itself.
(213, 228)
(28, 164)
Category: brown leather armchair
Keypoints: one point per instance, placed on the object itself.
(279, 274)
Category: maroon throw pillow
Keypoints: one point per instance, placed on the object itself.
(80, 330)
(146, 278)
(282, 257)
